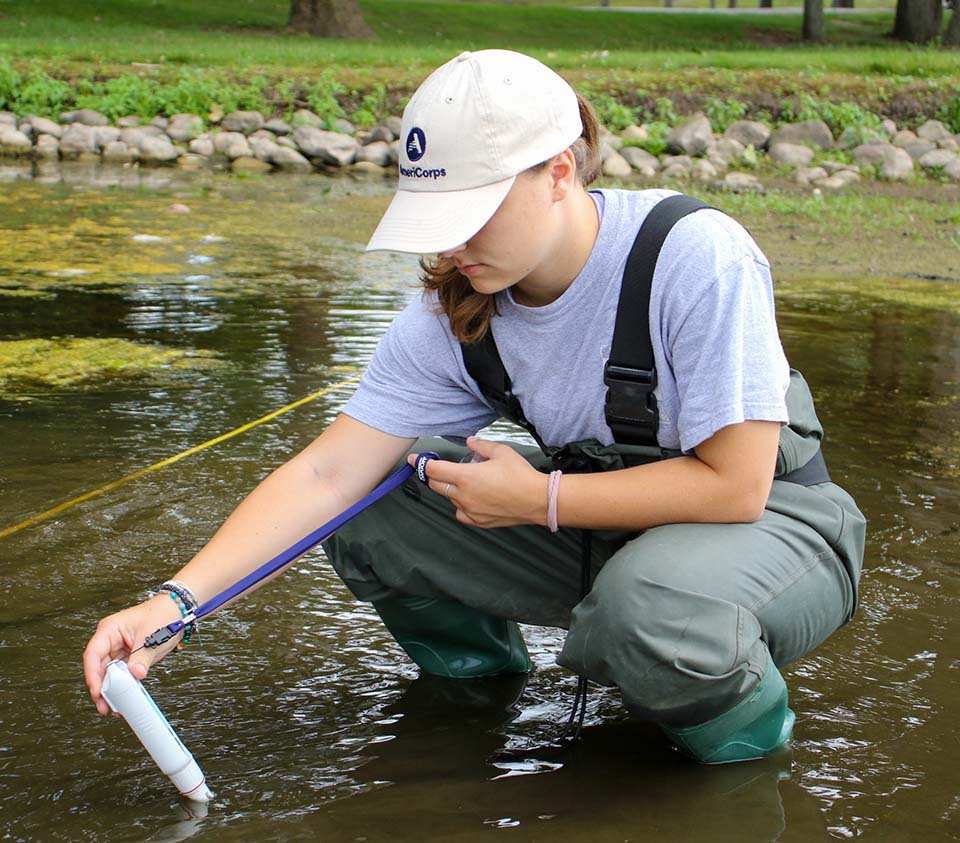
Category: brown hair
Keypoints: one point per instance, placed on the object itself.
(470, 312)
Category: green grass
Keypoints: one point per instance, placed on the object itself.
(179, 55)
(414, 36)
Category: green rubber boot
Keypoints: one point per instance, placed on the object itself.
(751, 729)
(446, 638)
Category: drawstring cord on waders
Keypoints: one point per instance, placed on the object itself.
(579, 711)
(165, 633)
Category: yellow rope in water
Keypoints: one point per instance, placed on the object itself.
(43, 516)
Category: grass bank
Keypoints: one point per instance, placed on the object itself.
(758, 59)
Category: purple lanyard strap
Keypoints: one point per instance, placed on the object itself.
(165, 633)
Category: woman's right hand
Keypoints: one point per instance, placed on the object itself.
(118, 635)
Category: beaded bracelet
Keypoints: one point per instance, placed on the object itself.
(183, 591)
(184, 611)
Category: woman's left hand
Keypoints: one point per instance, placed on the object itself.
(500, 490)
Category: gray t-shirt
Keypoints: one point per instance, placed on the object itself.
(718, 355)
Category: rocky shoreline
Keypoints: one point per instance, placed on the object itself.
(247, 142)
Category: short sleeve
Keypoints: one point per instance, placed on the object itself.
(416, 384)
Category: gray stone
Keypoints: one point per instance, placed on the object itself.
(949, 143)
(903, 138)
(676, 161)
(791, 154)
(635, 133)
(808, 175)
(640, 159)
(616, 166)
(242, 121)
(327, 147)
(377, 153)
(952, 170)
(749, 133)
(691, 136)
(43, 126)
(85, 117)
(246, 164)
(703, 170)
(395, 152)
(128, 122)
(160, 123)
(898, 167)
(848, 176)
(807, 132)
(344, 127)
(741, 182)
(238, 149)
(889, 127)
(832, 183)
(933, 130)
(222, 141)
(675, 171)
(892, 162)
(8, 118)
(78, 139)
(936, 158)
(835, 166)
(131, 137)
(305, 117)
(13, 142)
(47, 148)
(117, 152)
(202, 146)
(263, 135)
(278, 126)
(263, 150)
(288, 142)
(726, 149)
(290, 160)
(919, 148)
(380, 134)
(395, 125)
(27, 129)
(185, 127)
(157, 150)
(105, 134)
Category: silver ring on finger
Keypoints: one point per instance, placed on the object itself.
(446, 490)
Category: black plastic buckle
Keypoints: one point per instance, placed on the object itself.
(564, 459)
(631, 406)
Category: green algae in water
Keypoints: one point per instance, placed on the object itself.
(59, 363)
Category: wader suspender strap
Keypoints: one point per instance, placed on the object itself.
(630, 374)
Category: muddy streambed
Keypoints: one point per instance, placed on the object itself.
(309, 721)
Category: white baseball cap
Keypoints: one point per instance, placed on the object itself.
(472, 126)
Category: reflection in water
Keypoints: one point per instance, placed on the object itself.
(309, 721)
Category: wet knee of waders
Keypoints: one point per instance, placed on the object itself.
(754, 728)
(446, 638)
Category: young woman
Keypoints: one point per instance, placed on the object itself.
(715, 552)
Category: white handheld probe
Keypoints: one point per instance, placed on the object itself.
(126, 695)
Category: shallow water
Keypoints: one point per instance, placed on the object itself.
(310, 723)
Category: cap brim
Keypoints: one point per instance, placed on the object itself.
(425, 222)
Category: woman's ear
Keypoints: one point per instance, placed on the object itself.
(563, 174)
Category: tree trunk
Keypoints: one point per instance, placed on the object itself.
(918, 21)
(842, 4)
(951, 38)
(766, 4)
(328, 19)
(814, 28)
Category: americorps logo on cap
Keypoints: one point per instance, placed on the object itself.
(416, 144)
